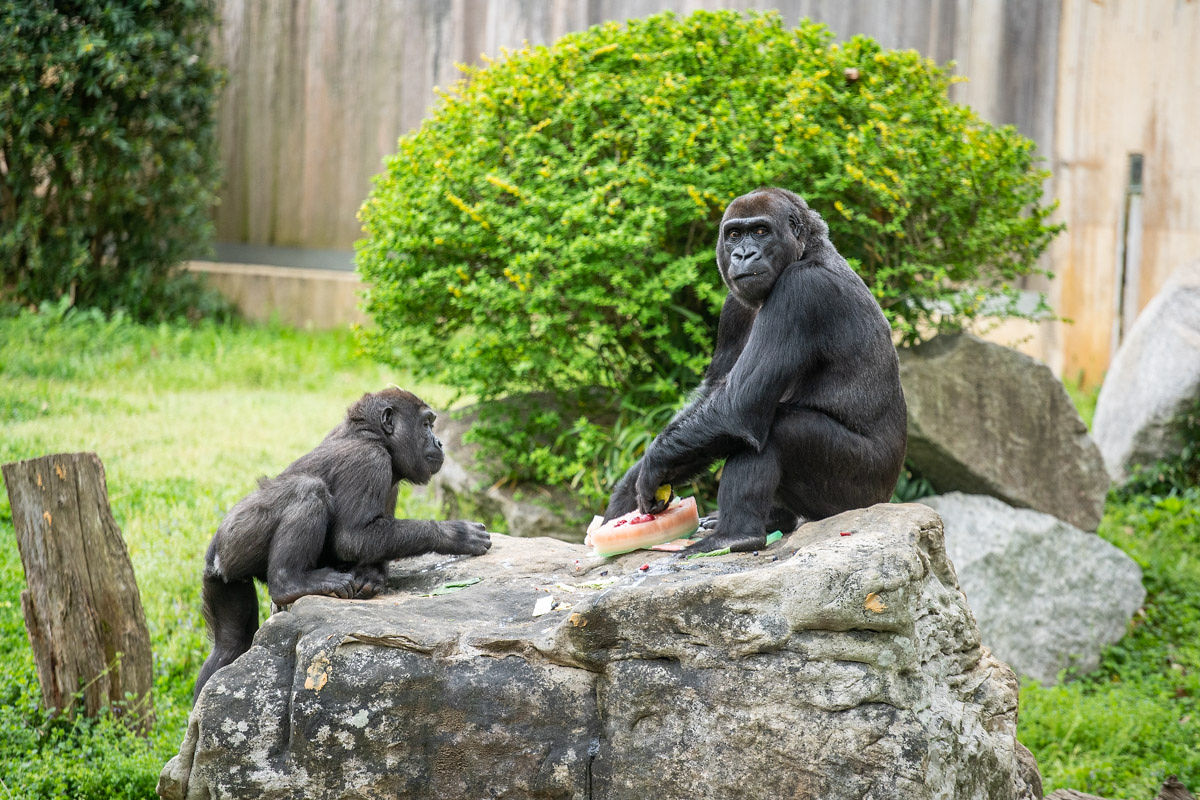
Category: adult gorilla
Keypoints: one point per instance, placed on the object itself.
(802, 398)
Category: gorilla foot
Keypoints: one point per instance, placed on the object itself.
(366, 588)
(323, 581)
(780, 520)
(736, 542)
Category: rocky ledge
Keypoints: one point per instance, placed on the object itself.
(841, 662)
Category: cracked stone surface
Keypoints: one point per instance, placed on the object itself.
(986, 419)
(842, 662)
(1047, 596)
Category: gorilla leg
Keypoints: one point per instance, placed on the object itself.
(745, 500)
(305, 512)
(811, 468)
(231, 610)
(827, 468)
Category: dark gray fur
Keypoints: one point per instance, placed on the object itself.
(802, 398)
(326, 524)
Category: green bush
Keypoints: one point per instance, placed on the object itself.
(107, 152)
(551, 225)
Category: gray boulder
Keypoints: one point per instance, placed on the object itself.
(986, 419)
(1047, 595)
(842, 662)
(1153, 378)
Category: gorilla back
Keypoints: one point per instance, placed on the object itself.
(802, 397)
(326, 525)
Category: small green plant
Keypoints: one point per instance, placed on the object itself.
(911, 486)
(1122, 730)
(108, 152)
(550, 226)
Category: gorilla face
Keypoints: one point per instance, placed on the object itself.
(407, 425)
(760, 236)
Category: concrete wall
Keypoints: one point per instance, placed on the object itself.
(320, 90)
(305, 298)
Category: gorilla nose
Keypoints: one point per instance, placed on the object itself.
(745, 255)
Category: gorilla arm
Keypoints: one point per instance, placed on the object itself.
(367, 532)
(739, 408)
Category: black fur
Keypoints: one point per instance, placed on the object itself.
(802, 398)
(326, 524)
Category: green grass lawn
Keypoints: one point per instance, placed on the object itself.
(186, 419)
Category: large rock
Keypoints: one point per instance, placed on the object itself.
(1153, 378)
(1047, 595)
(842, 662)
(986, 419)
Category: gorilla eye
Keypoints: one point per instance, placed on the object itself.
(733, 235)
(761, 230)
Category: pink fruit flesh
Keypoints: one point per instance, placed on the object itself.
(634, 531)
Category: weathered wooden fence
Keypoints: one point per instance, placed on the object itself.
(320, 90)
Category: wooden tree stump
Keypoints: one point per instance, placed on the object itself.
(82, 607)
(1173, 789)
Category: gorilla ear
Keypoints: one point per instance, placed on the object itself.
(794, 223)
(387, 420)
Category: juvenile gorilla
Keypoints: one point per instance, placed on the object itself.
(326, 524)
(802, 398)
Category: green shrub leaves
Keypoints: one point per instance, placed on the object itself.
(107, 152)
(550, 227)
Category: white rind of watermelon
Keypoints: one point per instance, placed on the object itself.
(634, 531)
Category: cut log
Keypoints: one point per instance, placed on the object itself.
(82, 608)
(1173, 789)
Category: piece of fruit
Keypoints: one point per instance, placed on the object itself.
(636, 530)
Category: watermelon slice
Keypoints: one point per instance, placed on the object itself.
(636, 530)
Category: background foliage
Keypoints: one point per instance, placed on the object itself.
(107, 152)
(550, 225)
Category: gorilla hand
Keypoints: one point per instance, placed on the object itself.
(462, 537)
(650, 481)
